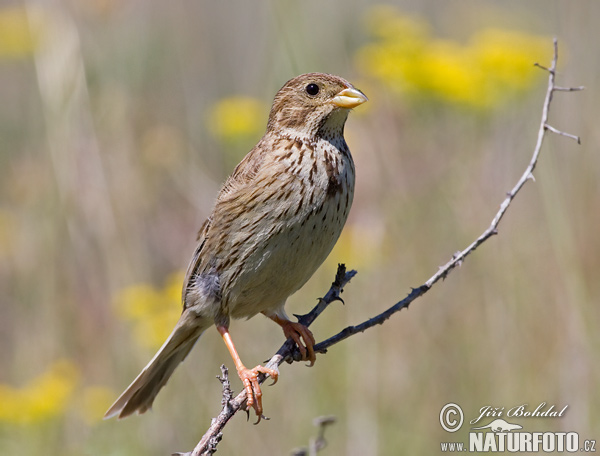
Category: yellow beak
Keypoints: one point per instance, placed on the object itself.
(349, 98)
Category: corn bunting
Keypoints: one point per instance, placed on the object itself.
(274, 222)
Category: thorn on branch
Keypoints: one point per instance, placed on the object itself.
(456, 256)
(338, 298)
(444, 271)
(531, 177)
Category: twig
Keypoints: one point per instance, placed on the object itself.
(562, 133)
(317, 443)
(288, 352)
(568, 89)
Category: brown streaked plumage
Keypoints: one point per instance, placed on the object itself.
(274, 222)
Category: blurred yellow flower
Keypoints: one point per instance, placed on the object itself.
(42, 398)
(479, 74)
(359, 247)
(509, 56)
(385, 22)
(17, 39)
(237, 117)
(153, 311)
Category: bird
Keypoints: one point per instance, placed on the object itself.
(275, 220)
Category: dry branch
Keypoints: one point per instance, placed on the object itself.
(288, 351)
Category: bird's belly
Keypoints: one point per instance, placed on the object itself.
(279, 267)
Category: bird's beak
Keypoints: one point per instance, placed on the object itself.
(349, 98)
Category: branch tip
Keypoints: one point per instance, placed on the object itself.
(562, 133)
(549, 70)
(568, 89)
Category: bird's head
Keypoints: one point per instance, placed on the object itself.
(313, 104)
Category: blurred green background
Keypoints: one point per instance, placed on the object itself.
(119, 122)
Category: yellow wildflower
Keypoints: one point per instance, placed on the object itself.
(508, 56)
(153, 311)
(359, 247)
(447, 70)
(237, 117)
(17, 39)
(43, 398)
(481, 74)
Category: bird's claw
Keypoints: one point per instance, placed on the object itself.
(299, 333)
(249, 379)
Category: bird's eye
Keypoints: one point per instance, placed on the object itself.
(312, 89)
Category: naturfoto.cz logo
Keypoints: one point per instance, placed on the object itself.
(490, 432)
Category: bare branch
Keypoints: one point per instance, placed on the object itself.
(289, 352)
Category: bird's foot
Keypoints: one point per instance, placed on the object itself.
(303, 337)
(249, 378)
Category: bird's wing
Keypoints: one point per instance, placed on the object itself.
(242, 177)
(245, 171)
(194, 263)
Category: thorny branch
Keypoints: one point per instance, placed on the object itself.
(288, 352)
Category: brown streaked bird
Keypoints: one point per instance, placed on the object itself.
(274, 222)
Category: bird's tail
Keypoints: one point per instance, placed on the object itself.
(139, 396)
